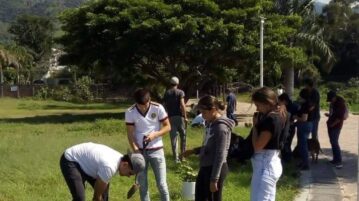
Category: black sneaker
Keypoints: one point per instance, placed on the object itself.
(332, 162)
(337, 165)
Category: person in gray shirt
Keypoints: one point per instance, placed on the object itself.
(214, 150)
(176, 110)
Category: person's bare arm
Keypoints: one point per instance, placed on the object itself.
(260, 141)
(131, 137)
(99, 189)
(183, 109)
(166, 127)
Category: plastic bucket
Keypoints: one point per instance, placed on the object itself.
(188, 190)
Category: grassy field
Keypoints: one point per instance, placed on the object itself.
(35, 133)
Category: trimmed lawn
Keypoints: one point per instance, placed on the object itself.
(34, 134)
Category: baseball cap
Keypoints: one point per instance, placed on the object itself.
(174, 80)
(330, 95)
(138, 162)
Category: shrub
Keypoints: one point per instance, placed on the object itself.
(82, 90)
(351, 95)
(42, 93)
(353, 82)
(61, 93)
(335, 86)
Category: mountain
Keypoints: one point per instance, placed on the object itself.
(10, 9)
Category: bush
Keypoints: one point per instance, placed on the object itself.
(82, 90)
(336, 86)
(351, 95)
(353, 82)
(61, 93)
(42, 93)
(80, 93)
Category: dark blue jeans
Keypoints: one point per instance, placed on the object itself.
(230, 115)
(303, 131)
(75, 178)
(334, 141)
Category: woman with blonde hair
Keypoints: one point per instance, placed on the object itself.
(268, 123)
(214, 150)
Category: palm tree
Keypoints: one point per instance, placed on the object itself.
(6, 59)
(24, 58)
(310, 36)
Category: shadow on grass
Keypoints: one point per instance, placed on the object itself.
(64, 118)
(81, 107)
(100, 106)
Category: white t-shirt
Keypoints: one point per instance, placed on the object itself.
(96, 160)
(146, 123)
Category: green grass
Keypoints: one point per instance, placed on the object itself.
(35, 133)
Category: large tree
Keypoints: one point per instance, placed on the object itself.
(149, 40)
(341, 26)
(306, 43)
(34, 33)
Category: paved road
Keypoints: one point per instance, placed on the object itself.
(325, 183)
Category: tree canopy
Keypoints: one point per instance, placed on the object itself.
(150, 40)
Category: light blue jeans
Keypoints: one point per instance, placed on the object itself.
(156, 159)
(267, 168)
(178, 125)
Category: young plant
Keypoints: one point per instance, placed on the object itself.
(186, 172)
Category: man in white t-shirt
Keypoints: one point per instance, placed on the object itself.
(96, 164)
(146, 123)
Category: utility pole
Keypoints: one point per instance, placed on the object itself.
(261, 50)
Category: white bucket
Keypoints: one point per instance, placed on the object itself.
(188, 190)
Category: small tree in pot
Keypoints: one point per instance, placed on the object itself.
(188, 176)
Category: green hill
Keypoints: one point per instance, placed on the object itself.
(9, 10)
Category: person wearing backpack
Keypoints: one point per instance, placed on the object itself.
(292, 109)
(336, 117)
(268, 124)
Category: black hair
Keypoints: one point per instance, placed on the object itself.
(126, 158)
(308, 82)
(142, 96)
(305, 94)
(284, 97)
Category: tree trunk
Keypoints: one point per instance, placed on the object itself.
(289, 80)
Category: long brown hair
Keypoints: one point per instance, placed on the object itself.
(268, 96)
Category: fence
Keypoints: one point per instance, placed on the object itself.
(101, 92)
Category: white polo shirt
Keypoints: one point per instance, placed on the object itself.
(96, 160)
(146, 123)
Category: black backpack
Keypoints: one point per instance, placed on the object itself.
(284, 133)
